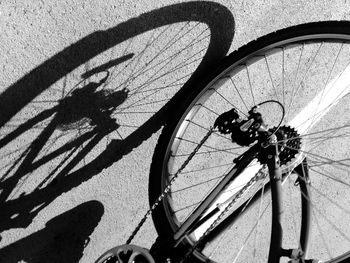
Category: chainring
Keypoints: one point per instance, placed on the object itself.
(126, 254)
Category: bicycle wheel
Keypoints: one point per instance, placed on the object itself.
(305, 68)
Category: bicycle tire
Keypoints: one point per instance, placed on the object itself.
(305, 43)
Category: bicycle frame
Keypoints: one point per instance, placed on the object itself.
(194, 219)
(199, 218)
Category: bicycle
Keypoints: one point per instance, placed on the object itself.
(272, 113)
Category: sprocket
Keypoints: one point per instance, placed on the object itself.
(289, 144)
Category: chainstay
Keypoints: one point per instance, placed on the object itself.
(261, 174)
(168, 186)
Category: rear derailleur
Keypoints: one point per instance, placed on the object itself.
(246, 132)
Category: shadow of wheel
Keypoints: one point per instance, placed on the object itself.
(21, 203)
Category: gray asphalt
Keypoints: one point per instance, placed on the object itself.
(32, 32)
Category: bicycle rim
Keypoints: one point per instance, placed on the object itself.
(306, 68)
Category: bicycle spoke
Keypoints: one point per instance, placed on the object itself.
(240, 96)
(250, 84)
(320, 157)
(209, 147)
(259, 215)
(325, 174)
(251, 232)
(319, 228)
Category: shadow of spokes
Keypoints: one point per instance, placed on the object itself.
(20, 211)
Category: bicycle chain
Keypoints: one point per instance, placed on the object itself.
(167, 188)
(261, 174)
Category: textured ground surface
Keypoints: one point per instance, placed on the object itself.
(52, 43)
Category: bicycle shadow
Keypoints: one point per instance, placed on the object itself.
(19, 211)
(62, 240)
(84, 107)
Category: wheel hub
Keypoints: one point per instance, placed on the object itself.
(289, 145)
